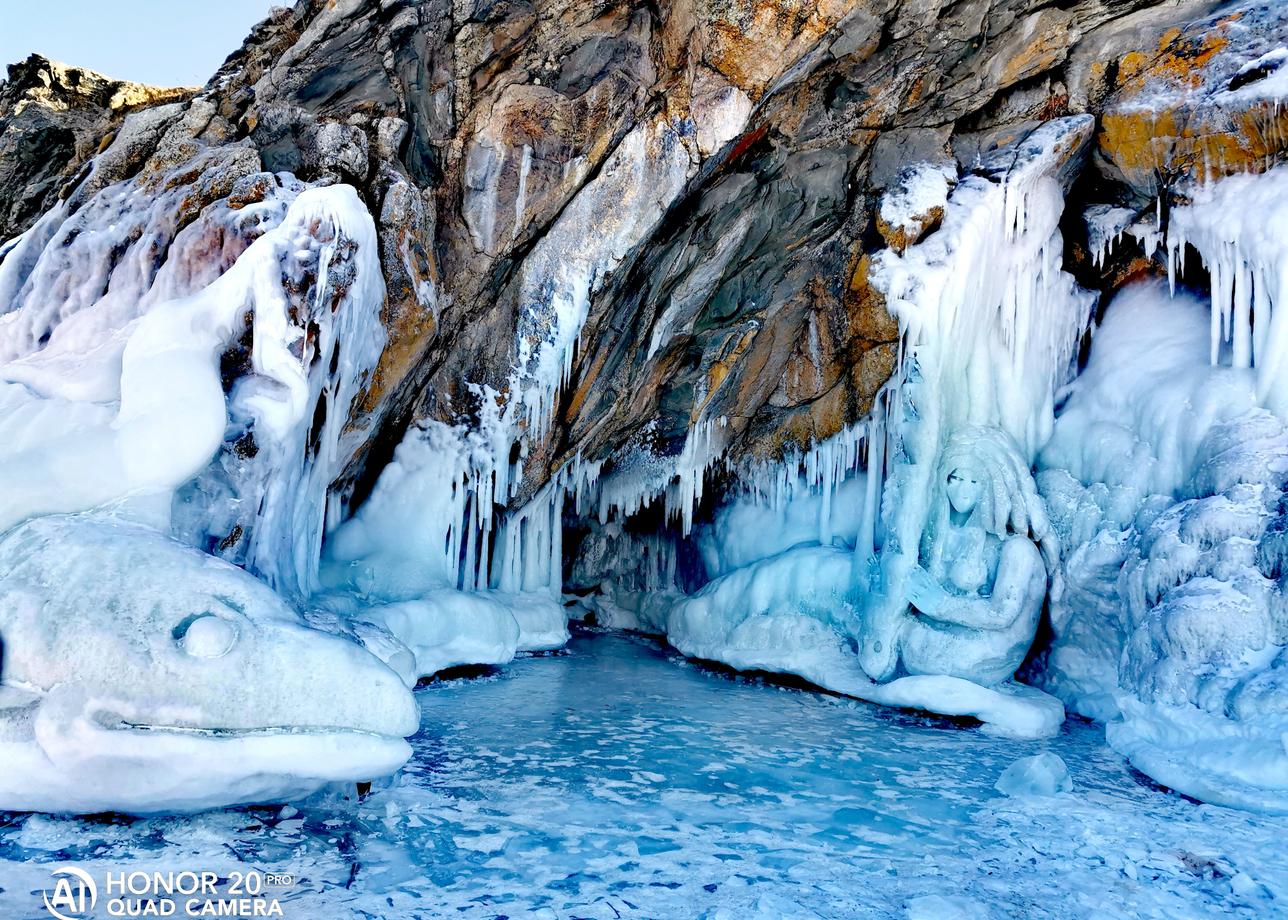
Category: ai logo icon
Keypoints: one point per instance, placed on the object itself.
(74, 894)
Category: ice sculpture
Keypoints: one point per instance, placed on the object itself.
(984, 348)
(977, 592)
(984, 355)
(980, 598)
(191, 380)
(144, 676)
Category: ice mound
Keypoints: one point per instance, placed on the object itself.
(1242, 763)
(447, 628)
(785, 613)
(144, 676)
(1165, 478)
(1041, 774)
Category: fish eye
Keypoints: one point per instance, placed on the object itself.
(206, 636)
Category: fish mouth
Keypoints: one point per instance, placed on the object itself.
(79, 756)
(115, 723)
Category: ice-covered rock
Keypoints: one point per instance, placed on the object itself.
(144, 676)
(1041, 774)
(212, 385)
(1204, 103)
(1165, 478)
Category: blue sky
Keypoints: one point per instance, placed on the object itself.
(166, 42)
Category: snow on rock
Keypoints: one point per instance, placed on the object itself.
(1041, 774)
(113, 388)
(1206, 103)
(144, 676)
(915, 203)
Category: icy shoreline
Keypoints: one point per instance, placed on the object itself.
(626, 782)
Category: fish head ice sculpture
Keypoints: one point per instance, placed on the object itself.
(144, 676)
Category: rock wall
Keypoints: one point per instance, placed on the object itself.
(53, 118)
(485, 138)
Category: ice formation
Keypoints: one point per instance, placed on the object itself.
(173, 392)
(416, 559)
(935, 601)
(1041, 774)
(116, 396)
(434, 541)
(978, 353)
(193, 383)
(1166, 477)
(144, 676)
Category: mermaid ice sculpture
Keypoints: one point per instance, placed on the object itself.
(976, 594)
(948, 626)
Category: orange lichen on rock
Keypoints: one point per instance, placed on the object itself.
(1172, 117)
(870, 321)
(1181, 59)
(751, 42)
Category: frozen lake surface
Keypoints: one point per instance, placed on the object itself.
(620, 781)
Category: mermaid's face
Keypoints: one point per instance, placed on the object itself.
(964, 488)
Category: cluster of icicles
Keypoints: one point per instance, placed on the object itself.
(987, 332)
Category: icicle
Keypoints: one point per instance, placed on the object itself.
(1237, 225)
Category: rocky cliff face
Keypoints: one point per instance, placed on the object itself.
(53, 118)
(778, 328)
(631, 218)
